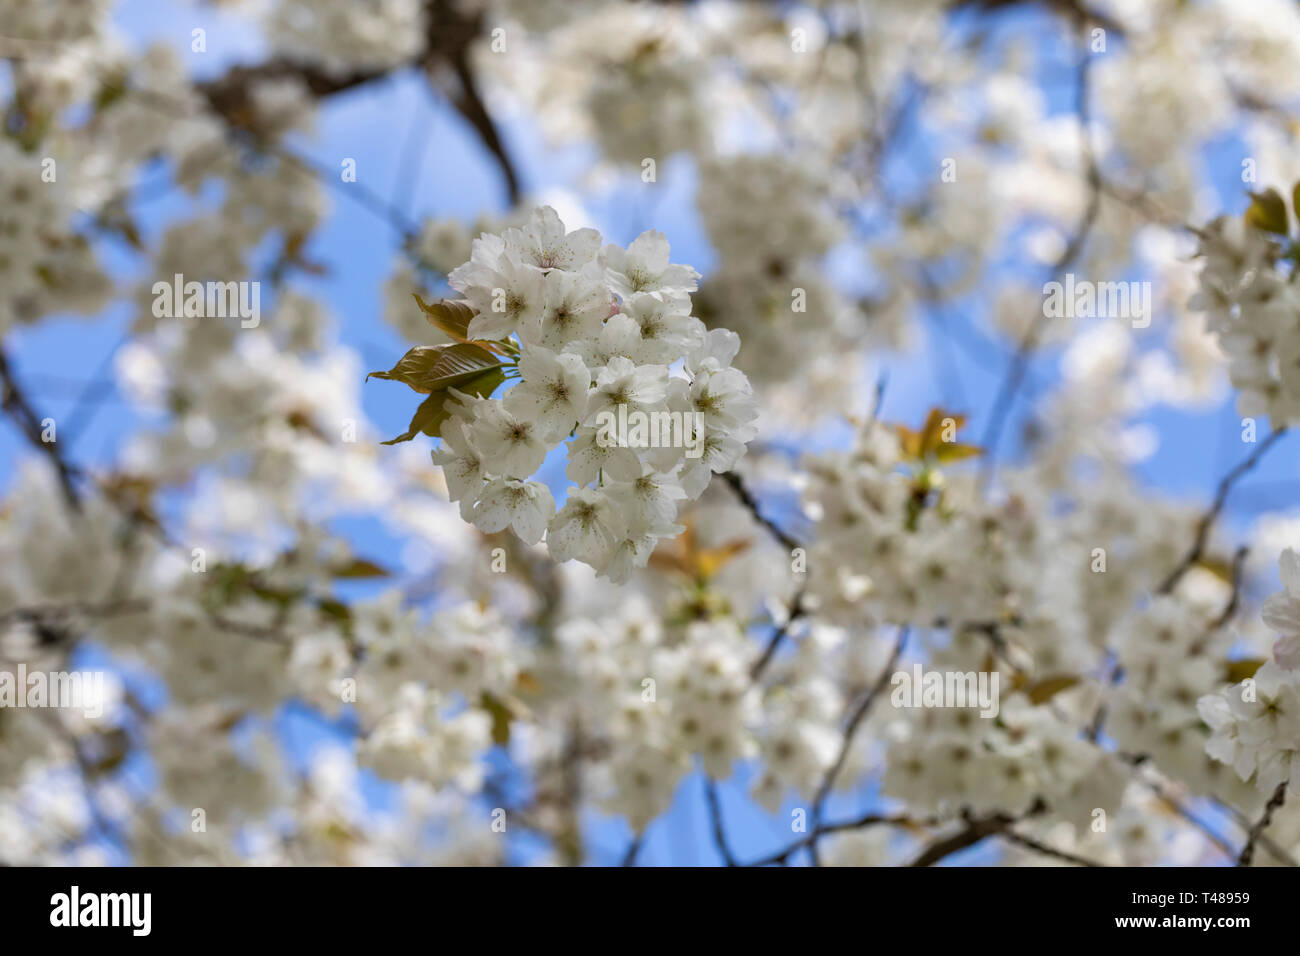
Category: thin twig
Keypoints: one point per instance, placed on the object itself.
(1220, 499)
(1029, 843)
(860, 823)
(1274, 804)
(750, 502)
(1238, 561)
(1267, 842)
(976, 830)
(633, 850)
(797, 610)
(16, 405)
(846, 743)
(715, 815)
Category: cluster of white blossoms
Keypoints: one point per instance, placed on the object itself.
(345, 34)
(771, 222)
(1170, 652)
(1252, 305)
(632, 76)
(55, 21)
(1255, 310)
(598, 338)
(1014, 588)
(1256, 724)
(197, 566)
(885, 542)
(441, 246)
(1281, 612)
(661, 698)
(768, 207)
(420, 739)
(44, 265)
(946, 758)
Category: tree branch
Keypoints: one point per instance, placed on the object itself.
(798, 609)
(976, 830)
(1274, 804)
(715, 815)
(860, 823)
(1029, 843)
(751, 503)
(19, 409)
(449, 35)
(850, 729)
(1220, 499)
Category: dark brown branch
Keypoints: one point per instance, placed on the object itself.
(1274, 804)
(861, 823)
(230, 95)
(449, 36)
(1267, 842)
(1238, 560)
(633, 850)
(1029, 843)
(469, 102)
(19, 409)
(715, 815)
(751, 503)
(797, 610)
(976, 829)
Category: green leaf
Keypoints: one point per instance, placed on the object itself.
(503, 710)
(111, 89)
(431, 414)
(428, 368)
(1047, 688)
(446, 316)
(428, 418)
(336, 609)
(1220, 568)
(500, 714)
(1239, 670)
(361, 568)
(931, 441)
(948, 452)
(1267, 211)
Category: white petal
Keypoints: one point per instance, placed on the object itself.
(1289, 567)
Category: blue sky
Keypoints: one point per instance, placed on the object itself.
(454, 175)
